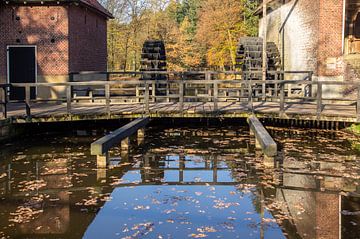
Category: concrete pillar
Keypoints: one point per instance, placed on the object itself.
(140, 136)
(269, 162)
(102, 160)
(100, 174)
(125, 144)
(215, 169)
(181, 167)
(124, 155)
(257, 144)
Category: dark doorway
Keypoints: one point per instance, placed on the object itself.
(22, 69)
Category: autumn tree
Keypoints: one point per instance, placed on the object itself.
(221, 24)
(197, 33)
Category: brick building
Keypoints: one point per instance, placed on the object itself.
(42, 41)
(318, 35)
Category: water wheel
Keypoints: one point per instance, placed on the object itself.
(249, 57)
(153, 58)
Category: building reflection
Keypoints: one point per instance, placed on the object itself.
(312, 195)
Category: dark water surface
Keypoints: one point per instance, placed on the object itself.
(182, 183)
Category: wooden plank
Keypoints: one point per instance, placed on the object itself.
(268, 145)
(102, 145)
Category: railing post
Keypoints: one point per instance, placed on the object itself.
(282, 100)
(276, 85)
(147, 89)
(310, 85)
(250, 98)
(27, 102)
(71, 79)
(358, 104)
(68, 99)
(207, 86)
(137, 94)
(153, 92)
(216, 93)
(107, 98)
(167, 92)
(4, 103)
(181, 94)
(264, 87)
(319, 100)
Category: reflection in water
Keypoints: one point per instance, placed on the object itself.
(182, 183)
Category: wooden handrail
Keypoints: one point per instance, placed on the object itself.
(178, 88)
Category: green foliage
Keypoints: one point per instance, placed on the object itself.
(188, 9)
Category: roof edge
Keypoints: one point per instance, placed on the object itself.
(99, 8)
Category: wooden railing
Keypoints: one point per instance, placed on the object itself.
(183, 87)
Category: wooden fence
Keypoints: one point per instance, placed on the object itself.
(184, 87)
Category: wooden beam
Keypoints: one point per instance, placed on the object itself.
(101, 146)
(268, 145)
(264, 50)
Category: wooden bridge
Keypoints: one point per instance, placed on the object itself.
(287, 95)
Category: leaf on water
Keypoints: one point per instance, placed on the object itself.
(200, 235)
(141, 207)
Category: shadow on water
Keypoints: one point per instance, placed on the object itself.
(181, 182)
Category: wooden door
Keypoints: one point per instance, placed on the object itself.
(22, 69)
(355, 36)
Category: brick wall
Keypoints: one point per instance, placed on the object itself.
(87, 40)
(68, 38)
(327, 216)
(313, 35)
(45, 27)
(330, 38)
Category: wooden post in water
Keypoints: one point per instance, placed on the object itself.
(102, 160)
(181, 167)
(125, 144)
(215, 169)
(140, 136)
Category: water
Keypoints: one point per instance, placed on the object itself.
(182, 183)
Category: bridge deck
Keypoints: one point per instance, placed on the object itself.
(303, 110)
